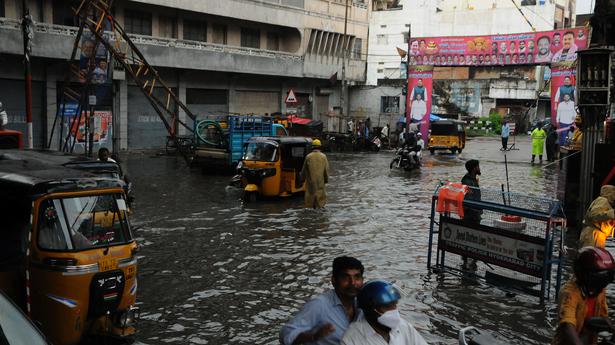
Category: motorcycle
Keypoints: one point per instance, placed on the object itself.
(376, 144)
(407, 158)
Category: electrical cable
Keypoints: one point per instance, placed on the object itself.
(524, 17)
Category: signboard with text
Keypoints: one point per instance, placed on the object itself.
(515, 251)
(512, 49)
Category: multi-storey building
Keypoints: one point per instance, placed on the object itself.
(481, 89)
(220, 57)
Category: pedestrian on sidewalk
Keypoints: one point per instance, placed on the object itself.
(551, 144)
(315, 173)
(505, 135)
(538, 142)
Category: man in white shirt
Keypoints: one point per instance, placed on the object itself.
(381, 324)
(418, 109)
(566, 113)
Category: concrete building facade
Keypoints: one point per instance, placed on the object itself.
(220, 57)
(481, 89)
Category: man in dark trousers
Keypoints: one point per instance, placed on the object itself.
(551, 144)
(472, 216)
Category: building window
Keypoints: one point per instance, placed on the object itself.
(195, 30)
(62, 14)
(273, 41)
(168, 27)
(250, 38)
(389, 104)
(383, 26)
(138, 22)
(380, 70)
(382, 39)
(381, 63)
(219, 33)
(528, 2)
(356, 50)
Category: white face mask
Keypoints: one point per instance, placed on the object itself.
(390, 319)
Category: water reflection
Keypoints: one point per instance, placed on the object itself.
(218, 272)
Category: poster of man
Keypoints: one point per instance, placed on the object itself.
(563, 106)
(569, 49)
(420, 79)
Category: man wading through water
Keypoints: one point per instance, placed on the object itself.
(315, 173)
(472, 216)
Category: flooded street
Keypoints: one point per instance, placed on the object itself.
(213, 271)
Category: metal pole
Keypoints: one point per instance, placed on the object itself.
(345, 53)
(27, 49)
(406, 109)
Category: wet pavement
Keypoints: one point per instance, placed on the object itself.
(213, 271)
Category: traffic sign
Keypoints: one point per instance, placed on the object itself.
(291, 98)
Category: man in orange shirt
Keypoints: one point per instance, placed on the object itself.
(583, 297)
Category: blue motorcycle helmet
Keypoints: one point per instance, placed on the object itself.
(376, 293)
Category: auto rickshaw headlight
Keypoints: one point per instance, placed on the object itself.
(268, 172)
(128, 317)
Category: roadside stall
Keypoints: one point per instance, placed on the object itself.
(509, 240)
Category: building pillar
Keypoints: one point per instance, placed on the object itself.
(155, 25)
(180, 28)
(181, 83)
(123, 114)
(119, 14)
(48, 12)
(51, 111)
(284, 93)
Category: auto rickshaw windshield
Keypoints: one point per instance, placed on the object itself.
(444, 129)
(260, 151)
(82, 223)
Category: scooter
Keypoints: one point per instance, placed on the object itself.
(406, 158)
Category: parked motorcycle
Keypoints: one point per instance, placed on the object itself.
(407, 158)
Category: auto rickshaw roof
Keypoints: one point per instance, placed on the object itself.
(283, 140)
(448, 122)
(33, 172)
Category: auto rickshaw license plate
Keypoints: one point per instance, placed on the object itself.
(107, 265)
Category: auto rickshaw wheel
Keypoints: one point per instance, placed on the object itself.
(459, 150)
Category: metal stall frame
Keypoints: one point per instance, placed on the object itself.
(554, 233)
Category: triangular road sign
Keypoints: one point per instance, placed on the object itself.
(291, 98)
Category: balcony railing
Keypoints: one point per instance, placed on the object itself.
(71, 31)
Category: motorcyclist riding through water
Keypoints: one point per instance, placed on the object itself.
(381, 323)
(583, 297)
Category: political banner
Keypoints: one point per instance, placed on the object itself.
(418, 97)
(505, 248)
(513, 49)
(101, 127)
(94, 63)
(563, 99)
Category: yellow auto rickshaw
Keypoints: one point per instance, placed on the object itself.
(67, 255)
(271, 166)
(447, 135)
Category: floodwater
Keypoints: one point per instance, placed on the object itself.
(213, 271)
